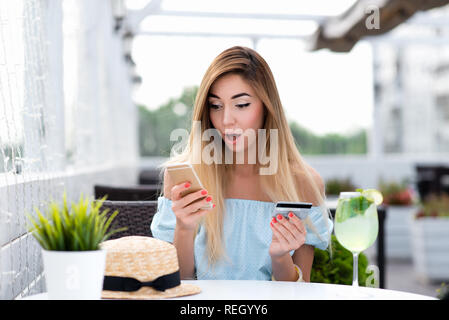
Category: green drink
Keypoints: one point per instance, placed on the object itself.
(356, 224)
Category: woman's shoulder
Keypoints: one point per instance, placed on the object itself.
(316, 177)
(302, 175)
(302, 170)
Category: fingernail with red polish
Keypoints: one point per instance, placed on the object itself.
(204, 192)
(273, 220)
(187, 185)
(279, 217)
(208, 199)
(290, 214)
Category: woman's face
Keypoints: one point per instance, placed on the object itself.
(235, 108)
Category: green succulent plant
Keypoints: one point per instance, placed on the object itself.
(80, 227)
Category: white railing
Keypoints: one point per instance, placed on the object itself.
(364, 170)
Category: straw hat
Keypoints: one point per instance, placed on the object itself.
(140, 267)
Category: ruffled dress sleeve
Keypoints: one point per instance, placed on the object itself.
(164, 221)
(320, 234)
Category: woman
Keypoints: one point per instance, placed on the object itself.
(238, 238)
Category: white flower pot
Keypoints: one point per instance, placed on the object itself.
(397, 232)
(74, 275)
(430, 247)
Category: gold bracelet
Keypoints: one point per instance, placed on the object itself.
(298, 270)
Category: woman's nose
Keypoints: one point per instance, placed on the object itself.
(228, 116)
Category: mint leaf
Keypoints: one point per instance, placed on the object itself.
(348, 208)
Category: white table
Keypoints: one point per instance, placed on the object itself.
(284, 290)
(280, 290)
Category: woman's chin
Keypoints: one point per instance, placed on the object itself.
(236, 148)
(241, 148)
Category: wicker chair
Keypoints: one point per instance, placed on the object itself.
(128, 193)
(150, 176)
(136, 216)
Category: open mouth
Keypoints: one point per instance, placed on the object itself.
(232, 137)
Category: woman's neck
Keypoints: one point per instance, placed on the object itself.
(244, 183)
(245, 170)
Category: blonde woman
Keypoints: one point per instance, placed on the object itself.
(238, 238)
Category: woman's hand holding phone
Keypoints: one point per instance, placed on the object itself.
(188, 208)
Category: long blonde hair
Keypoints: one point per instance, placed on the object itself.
(291, 168)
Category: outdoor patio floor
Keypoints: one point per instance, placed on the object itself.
(400, 276)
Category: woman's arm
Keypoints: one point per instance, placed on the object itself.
(188, 215)
(183, 242)
(303, 258)
(290, 235)
(283, 267)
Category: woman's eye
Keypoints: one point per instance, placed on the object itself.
(214, 106)
(243, 105)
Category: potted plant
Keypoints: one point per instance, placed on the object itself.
(70, 238)
(336, 185)
(400, 204)
(443, 292)
(430, 239)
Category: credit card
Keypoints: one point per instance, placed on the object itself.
(300, 209)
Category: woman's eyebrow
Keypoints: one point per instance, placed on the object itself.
(211, 95)
(240, 95)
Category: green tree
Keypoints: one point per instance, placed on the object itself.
(155, 126)
(332, 143)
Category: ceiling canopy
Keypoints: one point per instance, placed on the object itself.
(367, 18)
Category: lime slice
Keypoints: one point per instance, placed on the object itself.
(373, 195)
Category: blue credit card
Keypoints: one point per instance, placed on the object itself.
(300, 209)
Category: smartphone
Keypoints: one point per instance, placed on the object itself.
(299, 209)
(183, 172)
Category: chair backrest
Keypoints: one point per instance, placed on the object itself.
(136, 216)
(432, 179)
(127, 193)
(150, 176)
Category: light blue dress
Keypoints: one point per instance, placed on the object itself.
(247, 238)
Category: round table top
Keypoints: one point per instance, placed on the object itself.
(283, 290)
(286, 290)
